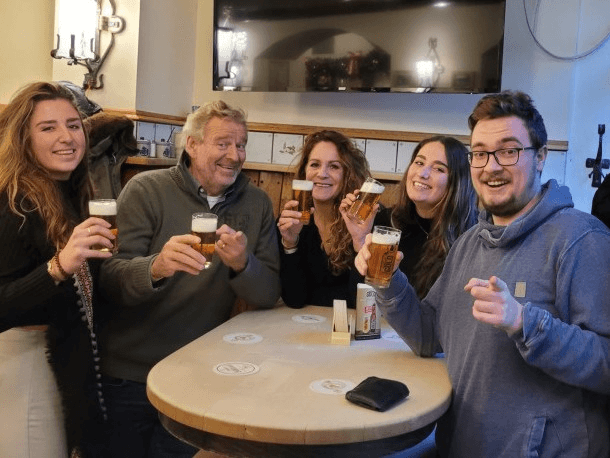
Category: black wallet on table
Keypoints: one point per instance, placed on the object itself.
(378, 393)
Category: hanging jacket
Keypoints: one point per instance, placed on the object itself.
(111, 141)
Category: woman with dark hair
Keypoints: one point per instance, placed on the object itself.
(436, 204)
(52, 403)
(317, 258)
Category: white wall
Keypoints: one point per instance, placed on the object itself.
(151, 66)
(566, 93)
(166, 57)
(589, 103)
(26, 41)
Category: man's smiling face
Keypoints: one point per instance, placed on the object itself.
(218, 158)
(506, 192)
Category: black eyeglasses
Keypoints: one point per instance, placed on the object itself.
(503, 156)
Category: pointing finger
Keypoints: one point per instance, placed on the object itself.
(497, 284)
(476, 282)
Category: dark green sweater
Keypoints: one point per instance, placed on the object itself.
(146, 322)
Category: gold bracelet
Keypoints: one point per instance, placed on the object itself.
(59, 267)
(52, 274)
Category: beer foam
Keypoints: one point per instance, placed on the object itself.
(204, 225)
(102, 207)
(386, 239)
(302, 185)
(373, 188)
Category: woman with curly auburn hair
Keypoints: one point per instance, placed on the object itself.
(317, 258)
(436, 204)
(52, 403)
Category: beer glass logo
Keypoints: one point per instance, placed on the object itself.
(387, 262)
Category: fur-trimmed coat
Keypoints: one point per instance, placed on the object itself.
(29, 296)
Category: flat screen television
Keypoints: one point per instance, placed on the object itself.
(358, 45)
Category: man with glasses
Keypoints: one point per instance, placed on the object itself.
(522, 307)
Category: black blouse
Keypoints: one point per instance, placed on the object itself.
(306, 276)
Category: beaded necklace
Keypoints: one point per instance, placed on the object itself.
(84, 288)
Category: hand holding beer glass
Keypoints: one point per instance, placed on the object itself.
(383, 250)
(301, 192)
(369, 194)
(204, 226)
(106, 210)
(290, 222)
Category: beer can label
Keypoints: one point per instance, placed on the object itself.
(367, 316)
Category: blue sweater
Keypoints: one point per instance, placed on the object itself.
(542, 390)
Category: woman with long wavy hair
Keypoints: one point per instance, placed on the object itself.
(436, 204)
(317, 258)
(52, 404)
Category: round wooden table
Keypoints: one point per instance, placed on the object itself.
(270, 383)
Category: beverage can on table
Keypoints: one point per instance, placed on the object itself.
(367, 317)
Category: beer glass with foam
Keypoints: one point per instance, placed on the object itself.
(204, 226)
(106, 210)
(383, 248)
(369, 195)
(301, 192)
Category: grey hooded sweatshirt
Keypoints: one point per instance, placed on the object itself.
(541, 392)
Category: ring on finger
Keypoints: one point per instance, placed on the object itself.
(89, 230)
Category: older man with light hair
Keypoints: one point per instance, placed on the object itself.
(159, 294)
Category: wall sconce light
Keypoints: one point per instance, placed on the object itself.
(80, 24)
(230, 51)
(429, 69)
(231, 47)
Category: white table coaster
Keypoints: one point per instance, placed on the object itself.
(234, 368)
(331, 386)
(242, 338)
(308, 319)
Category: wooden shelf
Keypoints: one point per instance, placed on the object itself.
(146, 116)
(265, 167)
(373, 134)
(152, 161)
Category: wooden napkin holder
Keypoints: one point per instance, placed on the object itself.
(343, 324)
